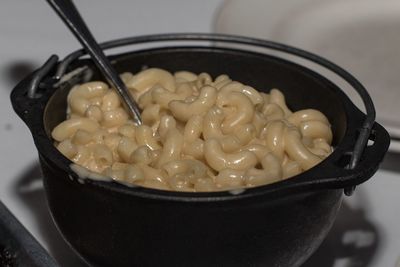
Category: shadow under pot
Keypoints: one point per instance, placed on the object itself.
(281, 224)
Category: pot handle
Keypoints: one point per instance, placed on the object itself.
(26, 95)
(348, 177)
(373, 154)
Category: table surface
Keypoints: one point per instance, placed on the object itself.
(30, 32)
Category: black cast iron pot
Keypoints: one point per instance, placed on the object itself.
(280, 224)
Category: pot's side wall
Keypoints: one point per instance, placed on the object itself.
(115, 230)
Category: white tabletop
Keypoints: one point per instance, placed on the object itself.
(30, 32)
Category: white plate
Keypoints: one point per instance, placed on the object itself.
(361, 36)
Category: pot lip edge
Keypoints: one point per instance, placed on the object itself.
(347, 104)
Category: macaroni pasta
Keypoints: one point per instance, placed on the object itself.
(199, 134)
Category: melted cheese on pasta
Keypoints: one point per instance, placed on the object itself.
(198, 133)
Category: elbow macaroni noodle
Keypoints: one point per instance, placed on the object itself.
(199, 134)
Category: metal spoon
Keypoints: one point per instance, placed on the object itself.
(67, 11)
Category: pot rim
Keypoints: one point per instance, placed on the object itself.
(339, 177)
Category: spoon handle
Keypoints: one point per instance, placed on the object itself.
(71, 17)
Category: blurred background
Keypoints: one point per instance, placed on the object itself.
(360, 35)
